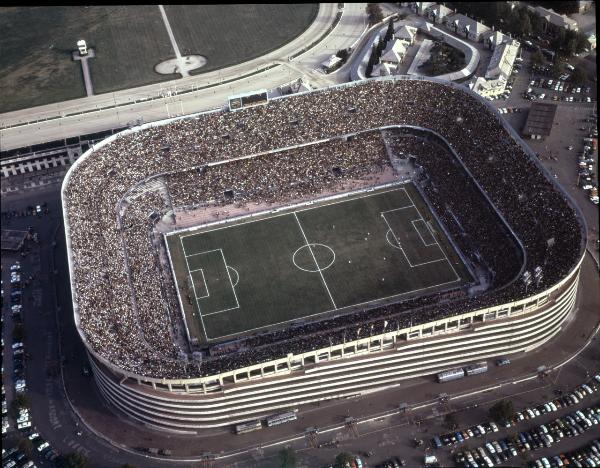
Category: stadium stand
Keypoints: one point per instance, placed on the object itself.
(501, 206)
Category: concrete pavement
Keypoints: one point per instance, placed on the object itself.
(203, 92)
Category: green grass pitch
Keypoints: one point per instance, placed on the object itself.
(310, 261)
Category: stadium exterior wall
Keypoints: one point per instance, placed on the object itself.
(223, 399)
(342, 371)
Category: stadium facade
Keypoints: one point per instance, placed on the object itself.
(339, 370)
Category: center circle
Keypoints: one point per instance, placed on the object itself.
(313, 257)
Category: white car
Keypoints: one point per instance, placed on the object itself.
(33, 436)
(24, 425)
(15, 267)
(543, 96)
(43, 446)
(17, 345)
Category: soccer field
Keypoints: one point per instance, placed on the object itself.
(310, 261)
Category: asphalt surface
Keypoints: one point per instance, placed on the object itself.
(55, 420)
(49, 323)
(350, 27)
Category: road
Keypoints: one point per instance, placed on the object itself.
(208, 93)
(388, 436)
(56, 421)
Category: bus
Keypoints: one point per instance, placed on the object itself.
(451, 374)
(281, 418)
(478, 368)
(248, 427)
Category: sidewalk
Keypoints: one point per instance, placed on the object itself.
(414, 392)
(325, 16)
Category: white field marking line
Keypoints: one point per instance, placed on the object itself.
(180, 62)
(439, 246)
(202, 253)
(194, 288)
(315, 259)
(221, 311)
(397, 209)
(230, 282)
(237, 274)
(403, 252)
(351, 195)
(320, 205)
(397, 241)
(423, 240)
(387, 238)
(204, 280)
(311, 271)
(345, 307)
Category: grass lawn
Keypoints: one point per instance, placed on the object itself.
(230, 34)
(311, 261)
(36, 44)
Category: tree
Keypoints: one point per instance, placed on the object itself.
(571, 46)
(389, 34)
(287, 457)
(343, 54)
(373, 58)
(559, 40)
(18, 402)
(579, 76)
(374, 13)
(537, 58)
(582, 42)
(380, 46)
(342, 459)
(25, 446)
(73, 460)
(450, 421)
(524, 24)
(18, 332)
(502, 411)
(558, 65)
(537, 24)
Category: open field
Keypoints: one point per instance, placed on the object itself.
(36, 44)
(230, 34)
(319, 259)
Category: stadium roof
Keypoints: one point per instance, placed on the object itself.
(540, 119)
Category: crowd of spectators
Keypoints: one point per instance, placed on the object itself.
(288, 174)
(117, 295)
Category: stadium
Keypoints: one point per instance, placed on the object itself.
(236, 264)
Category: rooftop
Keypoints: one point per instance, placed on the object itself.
(540, 119)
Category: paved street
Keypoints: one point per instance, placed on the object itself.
(56, 421)
(209, 94)
(53, 342)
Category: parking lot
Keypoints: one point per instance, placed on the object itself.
(574, 414)
(23, 446)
